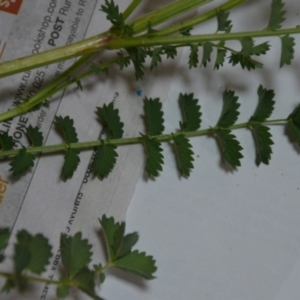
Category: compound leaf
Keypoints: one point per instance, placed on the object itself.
(66, 126)
(231, 148)
(184, 154)
(22, 162)
(224, 24)
(122, 61)
(35, 136)
(138, 57)
(75, 253)
(247, 45)
(265, 105)
(154, 156)
(277, 15)
(287, 50)
(6, 141)
(191, 115)
(110, 119)
(137, 263)
(112, 13)
(193, 57)
(104, 160)
(230, 113)
(71, 163)
(262, 139)
(153, 116)
(294, 122)
(207, 50)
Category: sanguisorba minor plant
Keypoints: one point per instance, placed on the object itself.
(138, 42)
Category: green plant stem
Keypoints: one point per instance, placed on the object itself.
(12, 276)
(117, 43)
(198, 19)
(98, 42)
(135, 140)
(130, 9)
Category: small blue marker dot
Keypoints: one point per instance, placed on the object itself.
(139, 92)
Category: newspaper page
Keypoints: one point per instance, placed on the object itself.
(40, 201)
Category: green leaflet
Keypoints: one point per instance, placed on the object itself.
(193, 57)
(70, 164)
(37, 250)
(104, 160)
(153, 116)
(262, 139)
(22, 162)
(230, 113)
(8, 286)
(170, 51)
(294, 122)
(75, 253)
(117, 243)
(138, 58)
(277, 15)
(119, 249)
(248, 47)
(110, 119)
(184, 154)
(224, 24)
(265, 105)
(207, 50)
(221, 55)
(154, 159)
(137, 263)
(245, 61)
(6, 141)
(85, 282)
(4, 236)
(231, 148)
(62, 291)
(190, 110)
(156, 57)
(35, 136)
(287, 50)
(66, 127)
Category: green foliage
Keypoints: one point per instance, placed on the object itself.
(32, 254)
(230, 113)
(231, 148)
(35, 136)
(104, 160)
(263, 142)
(6, 142)
(119, 248)
(71, 163)
(265, 105)
(277, 15)
(154, 160)
(221, 55)
(110, 119)
(184, 154)
(191, 115)
(287, 50)
(22, 162)
(156, 57)
(75, 253)
(224, 24)
(65, 126)
(207, 50)
(37, 250)
(153, 116)
(193, 58)
(294, 122)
